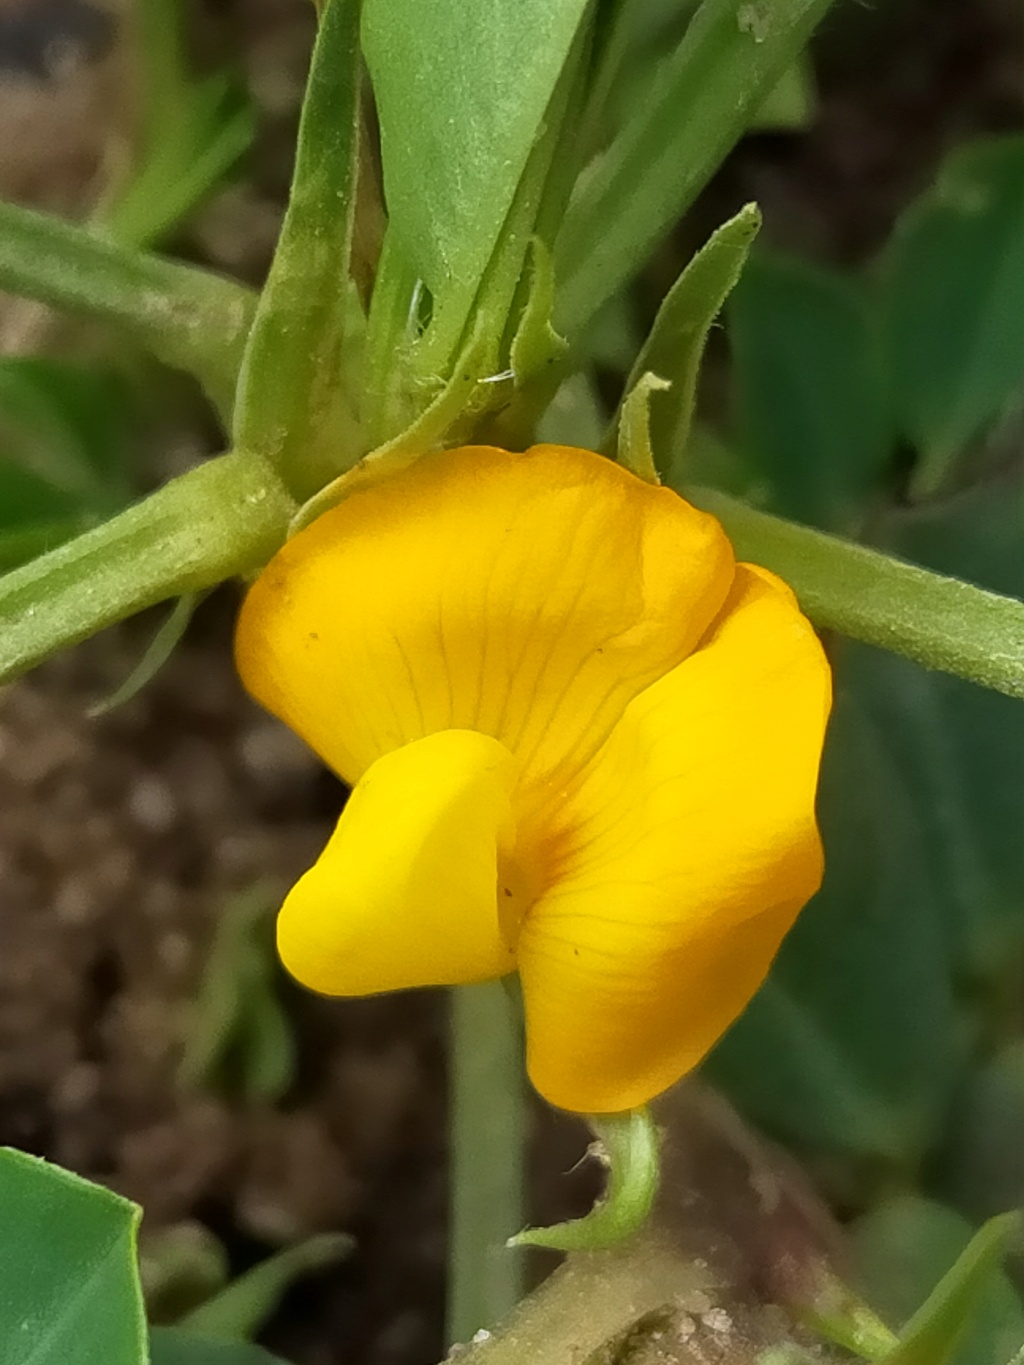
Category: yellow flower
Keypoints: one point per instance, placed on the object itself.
(583, 742)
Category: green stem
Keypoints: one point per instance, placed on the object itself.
(709, 90)
(940, 622)
(190, 319)
(225, 517)
(487, 1130)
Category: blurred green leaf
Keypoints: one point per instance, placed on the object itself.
(70, 1291)
(181, 1265)
(462, 92)
(174, 1346)
(190, 319)
(69, 427)
(952, 299)
(296, 390)
(790, 106)
(904, 1249)
(675, 345)
(962, 749)
(240, 1308)
(574, 416)
(64, 445)
(240, 1035)
(982, 1165)
(194, 130)
(828, 1052)
(810, 398)
(699, 104)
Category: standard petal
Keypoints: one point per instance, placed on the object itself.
(406, 892)
(685, 850)
(529, 597)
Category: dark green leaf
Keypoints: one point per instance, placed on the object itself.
(828, 1052)
(70, 1291)
(962, 749)
(69, 426)
(173, 1346)
(982, 1168)
(903, 1248)
(462, 92)
(953, 303)
(811, 403)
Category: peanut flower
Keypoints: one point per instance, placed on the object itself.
(583, 743)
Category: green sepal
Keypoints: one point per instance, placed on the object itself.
(634, 448)
(675, 345)
(296, 405)
(629, 1145)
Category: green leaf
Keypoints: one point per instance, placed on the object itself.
(190, 319)
(461, 91)
(675, 345)
(296, 391)
(952, 299)
(240, 1035)
(809, 391)
(240, 1308)
(702, 100)
(226, 517)
(69, 427)
(941, 622)
(982, 1166)
(174, 1346)
(917, 1260)
(631, 1149)
(33, 538)
(193, 133)
(828, 1053)
(962, 749)
(67, 1266)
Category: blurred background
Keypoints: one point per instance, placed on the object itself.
(868, 379)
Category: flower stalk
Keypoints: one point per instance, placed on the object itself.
(487, 1133)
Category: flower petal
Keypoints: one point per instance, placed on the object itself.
(406, 891)
(686, 849)
(529, 597)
